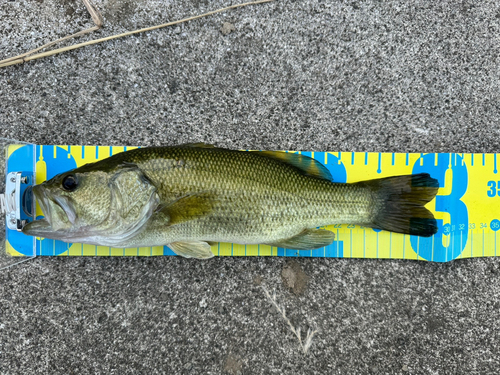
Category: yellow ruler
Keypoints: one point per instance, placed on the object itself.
(467, 207)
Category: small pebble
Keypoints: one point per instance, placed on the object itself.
(227, 28)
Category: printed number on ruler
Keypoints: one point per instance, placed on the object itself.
(494, 189)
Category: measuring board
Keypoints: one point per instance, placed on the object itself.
(467, 207)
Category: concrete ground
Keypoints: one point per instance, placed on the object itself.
(405, 76)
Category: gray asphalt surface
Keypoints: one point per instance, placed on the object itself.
(405, 76)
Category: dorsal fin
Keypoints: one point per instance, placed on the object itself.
(307, 165)
(198, 145)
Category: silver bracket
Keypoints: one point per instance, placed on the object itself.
(17, 202)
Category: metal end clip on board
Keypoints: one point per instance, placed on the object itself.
(17, 202)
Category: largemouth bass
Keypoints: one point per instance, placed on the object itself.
(190, 196)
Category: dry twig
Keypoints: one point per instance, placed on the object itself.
(305, 345)
(94, 13)
(96, 16)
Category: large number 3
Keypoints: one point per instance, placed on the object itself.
(450, 240)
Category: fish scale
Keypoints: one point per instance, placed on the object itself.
(269, 193)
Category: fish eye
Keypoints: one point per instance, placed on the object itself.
(70, 182)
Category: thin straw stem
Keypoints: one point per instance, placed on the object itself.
(94, 13)
(96, 17)
(20, 57)
(20, 60)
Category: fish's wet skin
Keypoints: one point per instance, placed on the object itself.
(189, 196)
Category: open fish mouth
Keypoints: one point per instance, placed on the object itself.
(52, 208)
(38, 228)
(42, 200)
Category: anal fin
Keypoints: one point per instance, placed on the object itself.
(192, 249)
(307, 240)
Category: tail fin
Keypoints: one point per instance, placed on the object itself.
(400, 204)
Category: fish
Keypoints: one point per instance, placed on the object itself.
(191, 196)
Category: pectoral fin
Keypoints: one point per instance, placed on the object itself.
(307, 240)
(186, 208)
(192, 249)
